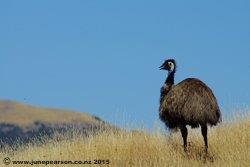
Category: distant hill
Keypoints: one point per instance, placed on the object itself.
(22, 123)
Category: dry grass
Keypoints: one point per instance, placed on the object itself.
(229, 145)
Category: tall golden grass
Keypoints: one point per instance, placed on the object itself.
(229, 145)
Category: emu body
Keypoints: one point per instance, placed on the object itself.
(191, 102)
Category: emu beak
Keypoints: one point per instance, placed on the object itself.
(161, 67)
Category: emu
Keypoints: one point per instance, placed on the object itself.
(191, 102)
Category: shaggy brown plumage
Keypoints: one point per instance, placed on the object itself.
(191, 102)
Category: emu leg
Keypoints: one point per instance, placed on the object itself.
(204, 134)
(184, 133)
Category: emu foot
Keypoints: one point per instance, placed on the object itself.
(185, 149)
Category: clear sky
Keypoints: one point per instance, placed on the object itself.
(102, 57)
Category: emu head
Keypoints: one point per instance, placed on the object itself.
(168, 65)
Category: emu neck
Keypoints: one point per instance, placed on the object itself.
(170, 79)
(168, 85)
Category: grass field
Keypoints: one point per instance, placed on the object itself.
(229, 145)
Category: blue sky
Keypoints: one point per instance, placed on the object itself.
(102, 57)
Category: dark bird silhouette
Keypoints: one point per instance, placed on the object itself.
(191, 102)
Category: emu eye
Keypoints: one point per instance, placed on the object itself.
(170, 64)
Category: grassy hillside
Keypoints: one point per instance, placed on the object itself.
(20, 123)
(26, 115)
(229, 145)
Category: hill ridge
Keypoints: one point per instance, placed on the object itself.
(25, 114)
(24, 123)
